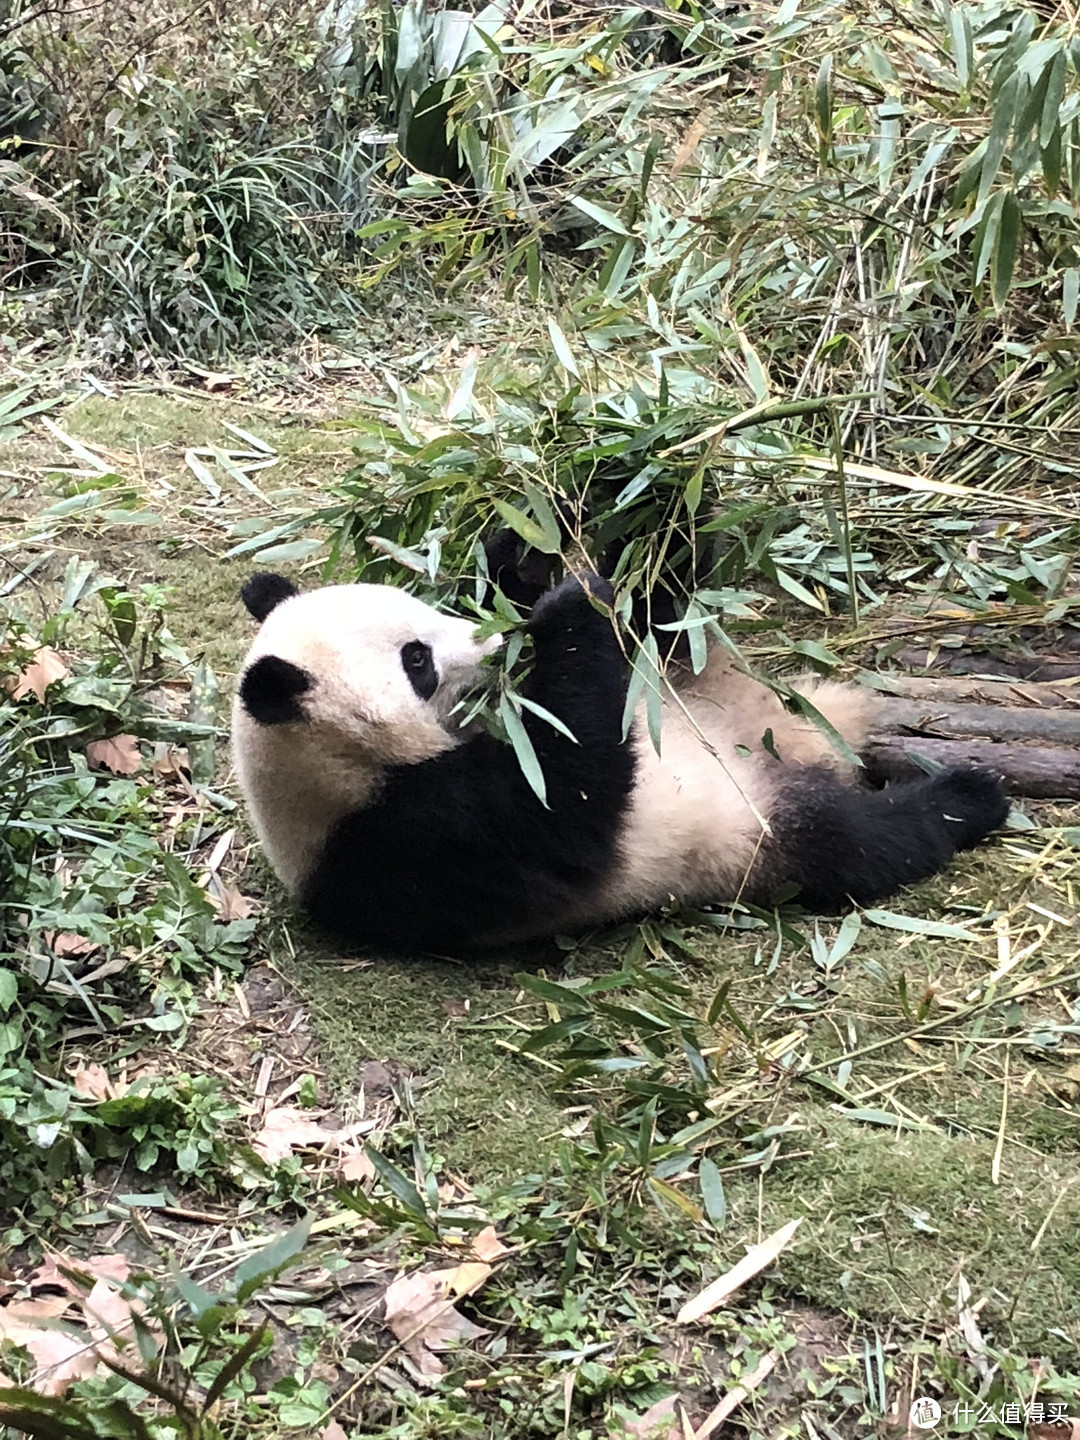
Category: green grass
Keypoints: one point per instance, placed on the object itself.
(931, 1181)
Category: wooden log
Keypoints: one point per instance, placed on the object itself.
(988, 722)
(964, 662)
(1057, 639)
(1039, 772)
(1000, 690)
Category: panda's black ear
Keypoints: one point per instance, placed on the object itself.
(270, 690)
(260, 593)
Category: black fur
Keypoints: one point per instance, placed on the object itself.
(419, 665)
(524, 575)
(263, 591)
(271, 688)
(839, 844)
(456, 843)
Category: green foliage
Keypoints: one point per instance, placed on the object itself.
(853, 198)
(213, 1341)
(189, 193)
(101, 925)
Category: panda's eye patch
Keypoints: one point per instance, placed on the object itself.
(419, 666)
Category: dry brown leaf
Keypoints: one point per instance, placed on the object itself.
(420, 1313)
(286, 1129)
(355, 1164)
(463, 1279)
(97, 1267)
(62, 1356)
(486, 1244)
(689, 143)
(227, 899)
(120, 755)
(724, 1286)
(171, 763)
(93, 1081)
(659, 1422)
(59, 1357)
(45, 668)
(66, 945)
(109, 1316)
(333, 1431)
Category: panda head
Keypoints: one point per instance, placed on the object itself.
(367, 672)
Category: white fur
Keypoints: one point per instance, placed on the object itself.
(370, 717)
(700, 807)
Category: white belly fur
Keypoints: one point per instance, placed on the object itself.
(696, 817)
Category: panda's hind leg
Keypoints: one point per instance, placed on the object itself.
(840, 844)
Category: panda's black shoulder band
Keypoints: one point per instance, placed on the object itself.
(263, 591)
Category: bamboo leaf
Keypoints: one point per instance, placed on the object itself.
(712, 1193)
(607, 218)
(1005, 250)
(526, 527)
(266, 1263)
(523, 749)
(1070, 292)
(1001, 125)
(823, 102)
(561, 346)
(1050, 120)
(986, 236)
(962, 43)
(915, 925)
(546, 715)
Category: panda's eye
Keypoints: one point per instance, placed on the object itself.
(419, 665)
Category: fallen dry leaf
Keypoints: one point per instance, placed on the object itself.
(286, 1129)
(93, 1081)
(420, 1312)
(659, 1422)
(45, 668)
(62, 1356)
(66, 945)
(170, 763)
(687, 146)
(108, 1315)
(59, 1357)
(355, 1164)
(486, 1244)
(724, 1286)
(333, 1431)
(120, 755)
(227, 899)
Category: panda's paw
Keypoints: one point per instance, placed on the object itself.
(973, 803)
(570, 604)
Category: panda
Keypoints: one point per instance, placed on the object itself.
(396, 830)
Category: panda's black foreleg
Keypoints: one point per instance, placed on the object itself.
(580, 675)
(522, 574)
(839, 844)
